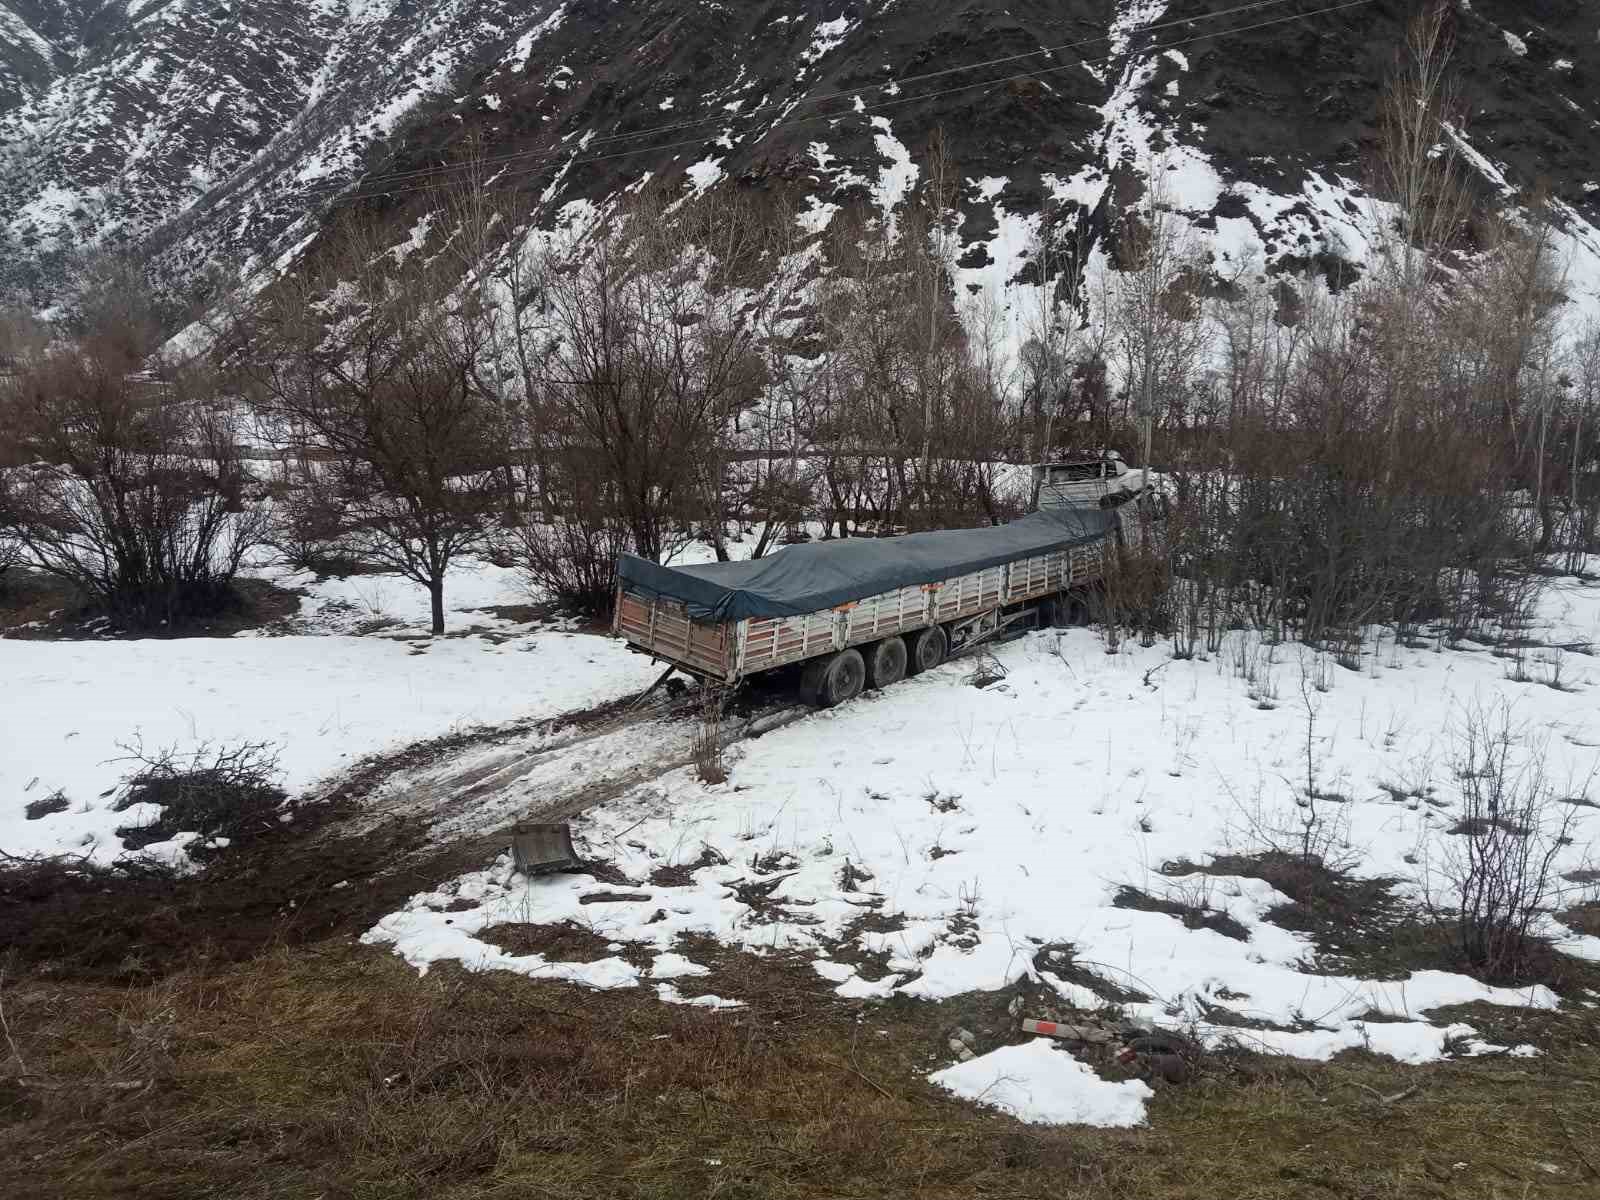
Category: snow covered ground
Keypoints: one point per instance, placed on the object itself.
(324, 696)
(982, 829)
(991, 824)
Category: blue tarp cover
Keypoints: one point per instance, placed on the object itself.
(818, 575)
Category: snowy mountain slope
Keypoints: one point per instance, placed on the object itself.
(151, 117)
(216, 130)
(28, 57)
(167, 111)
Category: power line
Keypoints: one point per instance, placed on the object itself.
(723, 119)
(359, 194)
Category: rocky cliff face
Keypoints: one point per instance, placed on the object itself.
(229, 131)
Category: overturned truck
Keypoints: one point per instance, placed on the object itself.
(867, 612)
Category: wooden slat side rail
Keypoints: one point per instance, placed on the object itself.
(730, 651)
(774, 641)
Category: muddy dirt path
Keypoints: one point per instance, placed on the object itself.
(473, 790)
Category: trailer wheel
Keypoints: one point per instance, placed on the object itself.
(886, 662)
(928, 649)
(1069, 610)
(833, 679)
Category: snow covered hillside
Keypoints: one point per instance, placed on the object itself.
(228, 132)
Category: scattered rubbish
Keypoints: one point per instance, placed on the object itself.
(1071, 1033)
(1163, 1056)
(1170, 1068)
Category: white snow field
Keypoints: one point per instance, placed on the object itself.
(996, 822)
(325, 697)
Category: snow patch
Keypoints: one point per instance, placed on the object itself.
(826, 38)
(1041, 1085)
(897, 179)
(704, 173)
(325, 698)
(517, 60)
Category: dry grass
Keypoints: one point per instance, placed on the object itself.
(336, 1071)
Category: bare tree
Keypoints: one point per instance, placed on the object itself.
(652, 350)
(368, 371)
(1156, 312)
(1431, 200)
(1583, 394)
(773, 490)
(1054, 329)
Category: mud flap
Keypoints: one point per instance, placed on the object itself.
(540, 848)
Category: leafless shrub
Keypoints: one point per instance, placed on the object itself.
(572, 556)
(1499, 874)
(364, 371)
(1310, 834)
(1132, 598)
(228, 792)
(132, 488)
(305, 530)
(1321, 825)
(707, 747)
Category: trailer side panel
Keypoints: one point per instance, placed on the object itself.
(732, 650)
(774, 641)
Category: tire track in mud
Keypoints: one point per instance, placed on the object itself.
(473, 790)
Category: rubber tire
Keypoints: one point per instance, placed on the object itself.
(1069, 611)
(928, 648)
(886, 662)
(834, 679)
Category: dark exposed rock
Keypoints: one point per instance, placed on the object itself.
(208, 131)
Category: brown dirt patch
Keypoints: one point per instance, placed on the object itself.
(566, 941)
(29, 597)
(1356, 924)
(1193, 916)
(70, 921)
(35, 605)
(1585, 918)
(45, 806)
(683, 874)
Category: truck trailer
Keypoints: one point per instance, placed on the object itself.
(867, 612)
